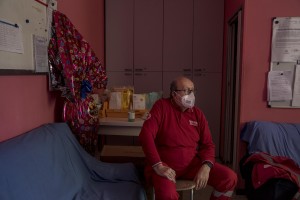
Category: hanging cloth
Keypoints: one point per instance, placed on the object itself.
(76, 71)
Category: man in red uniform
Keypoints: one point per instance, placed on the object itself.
(177, 143)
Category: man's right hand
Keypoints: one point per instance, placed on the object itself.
(165, 171)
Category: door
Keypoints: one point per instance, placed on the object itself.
(145, 82)
(178, 35)
(148, 35)
(119, 35)
(208, 35)
(208, 99)
(119, 79)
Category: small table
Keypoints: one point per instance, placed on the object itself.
(120, 126)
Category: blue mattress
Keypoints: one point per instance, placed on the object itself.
(278, 139)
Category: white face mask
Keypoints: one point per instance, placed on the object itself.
(188, 101)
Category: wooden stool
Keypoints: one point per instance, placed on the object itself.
(182, 185)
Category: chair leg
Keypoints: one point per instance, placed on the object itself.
(192, 194)
(153, 193)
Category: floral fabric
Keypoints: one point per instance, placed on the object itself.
(76, 71)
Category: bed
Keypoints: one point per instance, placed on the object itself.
(271, 165)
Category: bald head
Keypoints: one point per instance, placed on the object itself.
(181, 83)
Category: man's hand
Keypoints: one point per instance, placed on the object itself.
(165, 171)
(202, 177)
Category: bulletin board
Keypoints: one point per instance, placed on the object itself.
(24, 34)
(284, 74)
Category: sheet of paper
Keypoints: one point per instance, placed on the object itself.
(40, 48)
(139, 101)
(11, 37)
(280, 85)
(286, 39)
(115, 101)
(296, 91)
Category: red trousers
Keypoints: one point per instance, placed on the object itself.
(221, 178)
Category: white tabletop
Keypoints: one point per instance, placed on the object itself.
(111, 121)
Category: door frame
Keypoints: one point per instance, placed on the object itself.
(232, 90)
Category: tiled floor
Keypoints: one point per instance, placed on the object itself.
(203, 194)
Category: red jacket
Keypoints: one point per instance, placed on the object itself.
(175, 137)
(267, 167)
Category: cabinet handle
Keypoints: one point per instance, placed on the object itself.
(198, 74)
(187, 70)
(198, 70)
(187, 74)
(138, 69)
(138, 74)
(128, 74)
(128, 70)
